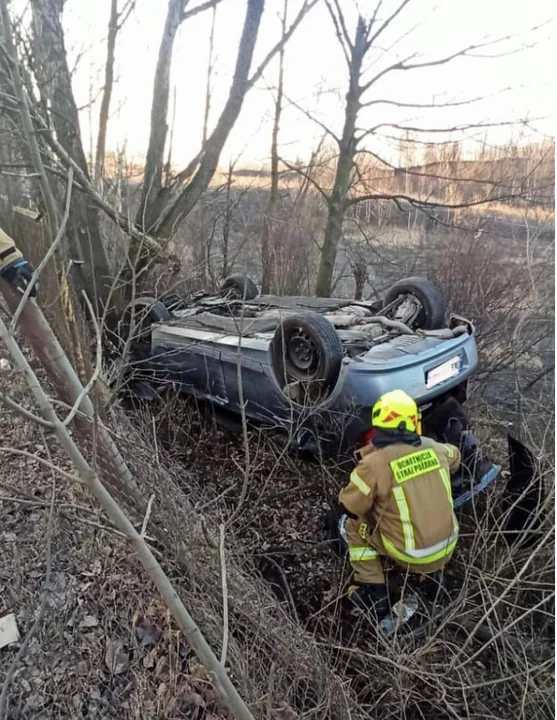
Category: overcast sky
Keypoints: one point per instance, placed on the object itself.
(518, 85)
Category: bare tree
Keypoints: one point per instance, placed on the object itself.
(115, 23)
(269, 224)
(166, 202)
(154, 162)
(162, 211)
(84, 240)
(349, 186)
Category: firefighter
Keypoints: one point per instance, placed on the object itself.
(14, 268)
(398, 502)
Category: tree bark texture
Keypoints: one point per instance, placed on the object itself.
(107, 93)
(150, 204)
(185, 201)
(93, 272)
(344, 168)
(269, 226)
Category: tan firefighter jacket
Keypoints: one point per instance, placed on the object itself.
(402, 493)
(8, 250)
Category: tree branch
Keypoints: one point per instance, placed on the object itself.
(199, 9)
(40, 460)
(435, 176)
(313, 119)
(98, 363)
(453, 129)
(387, 22)
(308, 177)
(343, 40)
(405, 65)
(124, 222)
(20, 410)
(415, 202)
(456, 103)
(304, 10)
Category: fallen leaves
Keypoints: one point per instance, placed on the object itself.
(147, 633)
(116, 659)
(89, 621)
(9, 632)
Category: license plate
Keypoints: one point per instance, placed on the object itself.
(447, 370)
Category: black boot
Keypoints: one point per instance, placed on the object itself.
(370, 597)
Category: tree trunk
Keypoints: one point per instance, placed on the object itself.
(93, 271)
(186, 200)
(337, 202)
(269, 226)
(107, 93)
(150, 204)
(226, 225)
(345, 164)
(208, 80)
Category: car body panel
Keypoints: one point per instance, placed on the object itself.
(402, 362)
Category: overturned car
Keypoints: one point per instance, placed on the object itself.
(312, 368)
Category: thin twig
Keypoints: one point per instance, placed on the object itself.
(245, 436)
(20, 410)
(147, 516)
(98, 363)
(270, 691)
(24, 453)
(214, 500)
(224, 597)
(155, 441)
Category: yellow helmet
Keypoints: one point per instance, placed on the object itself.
(396, 410)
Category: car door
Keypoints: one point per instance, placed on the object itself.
(191, 359)
(253, 378)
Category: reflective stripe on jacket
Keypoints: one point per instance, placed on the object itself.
(403, 493)
(8, 250)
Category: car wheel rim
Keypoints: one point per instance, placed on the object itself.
(302, 354)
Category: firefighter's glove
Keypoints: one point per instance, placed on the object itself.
(19, 274)
(369, 597)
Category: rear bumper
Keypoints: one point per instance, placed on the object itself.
(367, 380)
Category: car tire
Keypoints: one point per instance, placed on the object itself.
(146, 312)
(239, 287)
(430, 297)
(306, 352)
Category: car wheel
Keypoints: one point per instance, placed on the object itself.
(417, 302)
(306, 356)
(239, 287)
(137, 320)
